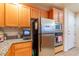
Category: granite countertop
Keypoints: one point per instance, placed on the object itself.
(5, 45)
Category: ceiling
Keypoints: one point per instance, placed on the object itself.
(72, 6)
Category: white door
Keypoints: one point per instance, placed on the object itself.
(77, 30)
(71, 30)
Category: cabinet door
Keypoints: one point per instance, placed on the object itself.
(23, 52)
(23, 49)
(50, 14)
(55, 14)
(11, 15)
(1, 15)
(35, 13)
(61, 16)
(58, 49)
(24, 16)
(44, 13)
(9, 53)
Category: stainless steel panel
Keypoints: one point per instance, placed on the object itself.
(47, 40)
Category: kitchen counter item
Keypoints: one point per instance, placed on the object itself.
(2, 37)
(4, 46)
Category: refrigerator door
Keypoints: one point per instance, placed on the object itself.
(47, 25)
(47, 40)
(46, 37)
(34, 25)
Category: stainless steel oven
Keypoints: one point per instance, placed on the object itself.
(58, 39)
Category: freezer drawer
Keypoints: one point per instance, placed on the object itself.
(47, 41)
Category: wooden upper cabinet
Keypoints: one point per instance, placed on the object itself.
(44, 13)
(11, 15)
(53, 14)
(35, 13)
(56, 15)
(24, 16)
(1, 15)
(61, 17)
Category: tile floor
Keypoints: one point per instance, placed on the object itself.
(72, 52)
(49, 52)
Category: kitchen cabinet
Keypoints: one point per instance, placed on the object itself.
(53, 14)
(23, 49)
(23, 52)
(58, 49)
(20, 49)
(61, 17)
(44, 13)
(11, 15)
(1, 15)
(56, 15)
(9, 53)
(24, 16)
(35, 13)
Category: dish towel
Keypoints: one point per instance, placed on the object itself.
(60, 38)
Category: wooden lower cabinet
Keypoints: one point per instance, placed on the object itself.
(9, 53)
(58, 49)
(23, 52)
(20, 49)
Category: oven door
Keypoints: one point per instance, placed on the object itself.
(58, 39)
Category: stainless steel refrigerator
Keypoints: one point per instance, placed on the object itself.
(46, 36)
(43, 36)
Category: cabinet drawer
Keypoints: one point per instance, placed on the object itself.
(58, 49)
(22, 45)
(23, 52)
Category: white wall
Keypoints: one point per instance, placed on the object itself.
(69, 29)
(77, 30)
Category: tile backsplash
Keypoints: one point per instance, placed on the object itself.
(11, 31)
